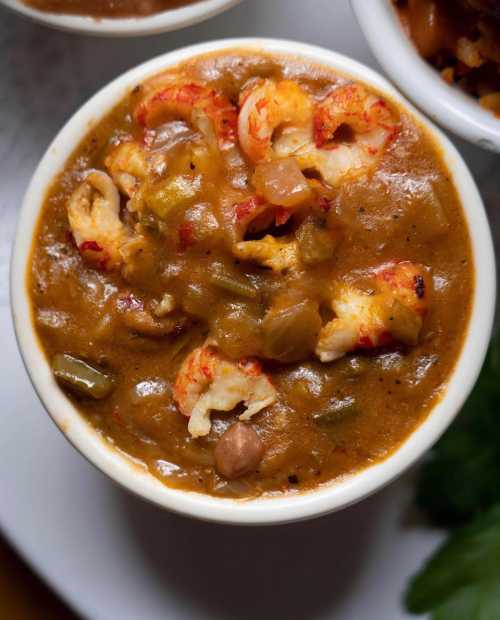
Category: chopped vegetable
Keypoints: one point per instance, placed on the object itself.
(404, 324)
(316, 242)
(282, 183)
(462, 580)
(336, 410)
(175, 192)
(237, 330)
(199, 300)
(82, 378)
(234, 283)
(291, 329)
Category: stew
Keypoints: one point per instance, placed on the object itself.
(253, 275)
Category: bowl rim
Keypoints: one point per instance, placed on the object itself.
(164, 21)
(447, 106)
(269, 510)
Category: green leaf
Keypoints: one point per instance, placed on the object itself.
(479, 601)
(458, 573)
(462, 477)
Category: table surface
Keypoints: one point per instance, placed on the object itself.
(106, 553)
(22, 595)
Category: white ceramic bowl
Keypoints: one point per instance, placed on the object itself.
(445, 104)
(263, 510)
(130, 26)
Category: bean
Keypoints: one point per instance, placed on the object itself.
(82, 378)
(238, 285)
(336, 410)
(238, 451)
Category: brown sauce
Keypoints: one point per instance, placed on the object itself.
(328, 419)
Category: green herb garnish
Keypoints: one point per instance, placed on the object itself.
(461, 481)
(462, 477)
(462, 580)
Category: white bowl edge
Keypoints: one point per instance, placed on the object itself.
(292, 507)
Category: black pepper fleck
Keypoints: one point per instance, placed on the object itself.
(419, 286)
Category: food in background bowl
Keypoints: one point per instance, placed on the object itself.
(106, 8)
(123, 18)
(461, 38)
(253, 275)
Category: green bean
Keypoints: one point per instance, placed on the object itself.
(237, 285)
(336, 410)
(187, 340)
(82, 378)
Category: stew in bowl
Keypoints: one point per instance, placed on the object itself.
(254, 275)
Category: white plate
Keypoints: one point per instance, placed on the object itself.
(108, 554)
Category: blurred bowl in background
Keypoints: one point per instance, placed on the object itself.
(165, 21)
(445, 104)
